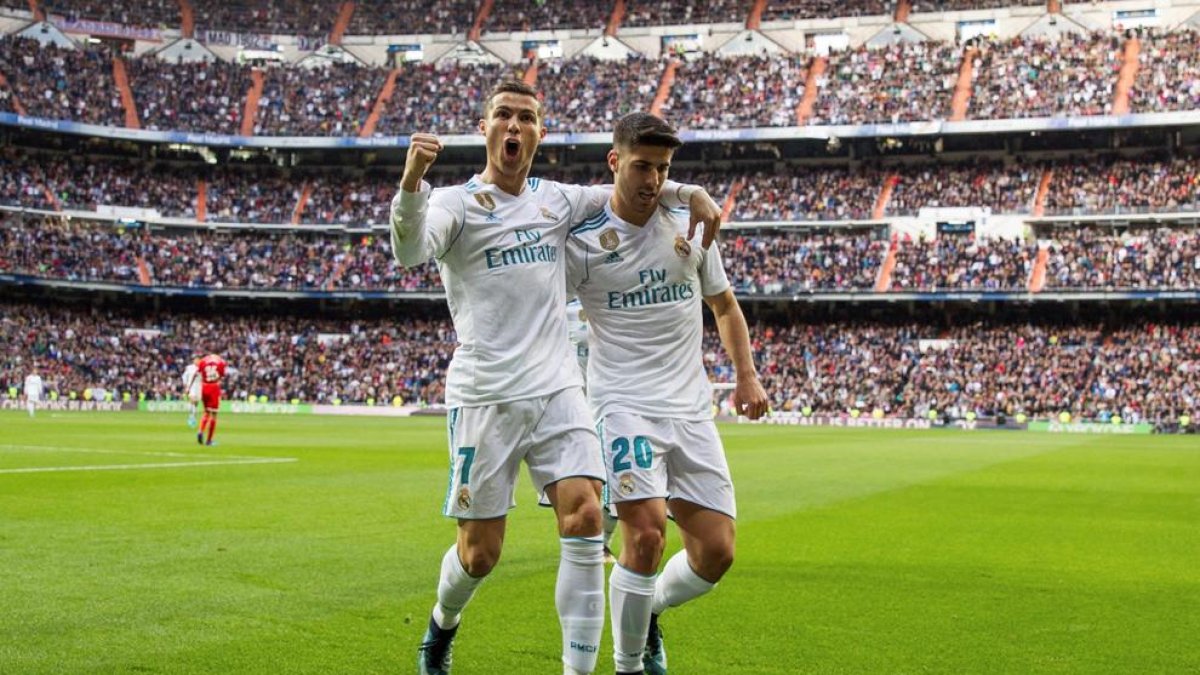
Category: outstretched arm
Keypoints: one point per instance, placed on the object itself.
(700, 205)
(749, 397)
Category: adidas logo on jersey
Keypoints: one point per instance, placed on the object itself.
(613, 257)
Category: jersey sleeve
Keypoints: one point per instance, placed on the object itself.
(422, 225)
(712, 273)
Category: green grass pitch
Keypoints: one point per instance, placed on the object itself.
(858, 552)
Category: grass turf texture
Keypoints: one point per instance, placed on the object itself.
(859, 551)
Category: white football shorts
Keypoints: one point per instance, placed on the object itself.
(667, 458)
(552, 434)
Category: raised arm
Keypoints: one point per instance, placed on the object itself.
(420, 231)
(749, 397)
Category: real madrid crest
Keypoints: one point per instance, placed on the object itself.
(464, 497)
(609, 240)
(626, 484)
(682, 248)
(548, 214)
(485, 201)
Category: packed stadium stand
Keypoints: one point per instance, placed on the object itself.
(928, 214)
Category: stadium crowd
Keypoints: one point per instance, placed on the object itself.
(280, 358)
(780, 192)
(960, 263)
(1141, 371)
(1016, 77)
(1099, 257)
(712, 92)
(524, 16)
(586, 94)
(896, 83)
(1144, 371)
(1107, 185)
(1046, 76)
(1168, 75)
(789, 262)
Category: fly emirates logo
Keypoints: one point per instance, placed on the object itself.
(528, 251)
(654, 291)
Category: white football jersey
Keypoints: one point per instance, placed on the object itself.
(33, 385)
(501, 260)
(189, 373)
(642, 288)
(577, 333)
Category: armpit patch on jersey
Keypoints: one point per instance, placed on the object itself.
(609, 240)
(682, 248)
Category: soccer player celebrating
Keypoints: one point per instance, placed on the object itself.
(191, 389)
(32, 389)
(641, 278)
(212, 369)
(512, 389)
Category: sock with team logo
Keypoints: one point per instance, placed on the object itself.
(630, 596)
(579, 597)
(455, 588)
(677, 584)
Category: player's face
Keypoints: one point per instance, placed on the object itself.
(639, 174)
(512, 130)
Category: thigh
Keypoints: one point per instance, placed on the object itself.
(699, 472)
(635, 456)
(485, 445)
(563, 443)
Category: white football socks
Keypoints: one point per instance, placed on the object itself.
(631, 596)
(579, 598)
(677, 584)
(455, 588)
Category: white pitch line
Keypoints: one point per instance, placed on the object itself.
(164, 465)
(109, 451)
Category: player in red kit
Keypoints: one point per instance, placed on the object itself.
(212, 369)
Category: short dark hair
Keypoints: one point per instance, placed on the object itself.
(641, 128)
(512, 86)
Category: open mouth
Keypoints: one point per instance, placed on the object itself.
(512, 148)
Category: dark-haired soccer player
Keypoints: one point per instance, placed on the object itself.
(512, 388)
(641, 278)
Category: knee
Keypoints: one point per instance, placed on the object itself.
(478, 561)
(583, 521)
(716, 560)
(646, 547)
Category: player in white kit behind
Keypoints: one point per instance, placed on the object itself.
(33, 390)
(191, 389)
(513, 391)
(641, 280)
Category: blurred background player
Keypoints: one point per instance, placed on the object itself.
(212, 369)
(33, 389)
(191, 389)
(577, 331)
(642, 280)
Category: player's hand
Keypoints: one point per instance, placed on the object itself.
(749, 398)
(423, 150)
(704, 210)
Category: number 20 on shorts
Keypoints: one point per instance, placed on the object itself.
(643, 453)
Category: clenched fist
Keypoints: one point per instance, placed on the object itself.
(423, 150)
